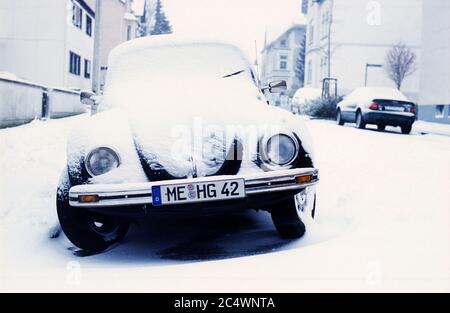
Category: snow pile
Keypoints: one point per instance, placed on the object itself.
(7, 75)
(14, 77)
(32, 158)
(304, 97)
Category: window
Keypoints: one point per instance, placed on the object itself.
(75, 64)
(325, 24)
(309, 79)
(448, 110)
(283, 62)
(88, 25)
(324, 67)
(311, 33)
(77, 15)
(129, 29)
(321, 66)
(439, 111)
(87, 69)
(283, 43)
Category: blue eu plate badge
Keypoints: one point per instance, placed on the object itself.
(156, 195)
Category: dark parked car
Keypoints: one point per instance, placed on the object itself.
(380, 106)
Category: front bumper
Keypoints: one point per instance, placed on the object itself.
(113, 195)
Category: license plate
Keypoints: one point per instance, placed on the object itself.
(198, 192)
(397, 109)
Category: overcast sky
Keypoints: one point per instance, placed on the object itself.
(242, 21)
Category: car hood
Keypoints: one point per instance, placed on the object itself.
(190, 132)
(187, 131)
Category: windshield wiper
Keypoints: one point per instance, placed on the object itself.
(233, 74)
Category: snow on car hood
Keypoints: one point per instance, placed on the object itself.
(172, 137)
(177, 129)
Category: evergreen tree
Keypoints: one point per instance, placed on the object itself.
(143, 28)
(144, 21)
(162, 25)
(300, 62)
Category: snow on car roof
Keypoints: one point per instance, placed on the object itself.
(371, 93)
(168, 41)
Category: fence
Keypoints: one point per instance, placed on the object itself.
(22, 102)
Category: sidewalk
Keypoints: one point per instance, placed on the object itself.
(420, 127)
(431, 128)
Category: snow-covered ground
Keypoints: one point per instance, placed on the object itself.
(383, 225)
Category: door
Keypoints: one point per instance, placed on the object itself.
(45, 105)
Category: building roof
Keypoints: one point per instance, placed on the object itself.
(86, 7)
(273, 36)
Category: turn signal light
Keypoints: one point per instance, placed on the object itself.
(303, 179)
(88, 198)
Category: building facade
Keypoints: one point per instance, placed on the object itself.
(279, 62)
(118, 24)
(343, 36)
(48, 42)
(434, 99)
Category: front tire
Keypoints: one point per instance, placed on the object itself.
(381, 127)
(88, 231)
(287, 220)
(360, 120)
(339, 119)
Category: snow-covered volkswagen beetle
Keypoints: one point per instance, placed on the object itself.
(183, 126)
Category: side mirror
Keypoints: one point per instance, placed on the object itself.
(87, 98)
(276, 86)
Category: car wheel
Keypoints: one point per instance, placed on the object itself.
(86, 230)
(406, 129)
(381, 127)
(339, 119)
(287, 221)
(360, 120)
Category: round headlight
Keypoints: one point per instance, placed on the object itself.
(101, 160)
(281, 149)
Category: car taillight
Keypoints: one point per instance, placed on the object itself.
(374, 106)
(413, 109)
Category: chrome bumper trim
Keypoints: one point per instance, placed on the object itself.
(111, 195)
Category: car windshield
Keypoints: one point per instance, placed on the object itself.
(178, 62)
(234, 74)
(171, 70)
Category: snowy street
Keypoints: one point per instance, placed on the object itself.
(383, 224)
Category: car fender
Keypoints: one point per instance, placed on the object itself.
(106, 129)
(294, 123)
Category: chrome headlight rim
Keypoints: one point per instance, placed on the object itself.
(268, 162)
(91, 153)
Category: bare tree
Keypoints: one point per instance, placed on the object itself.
(400, 63)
